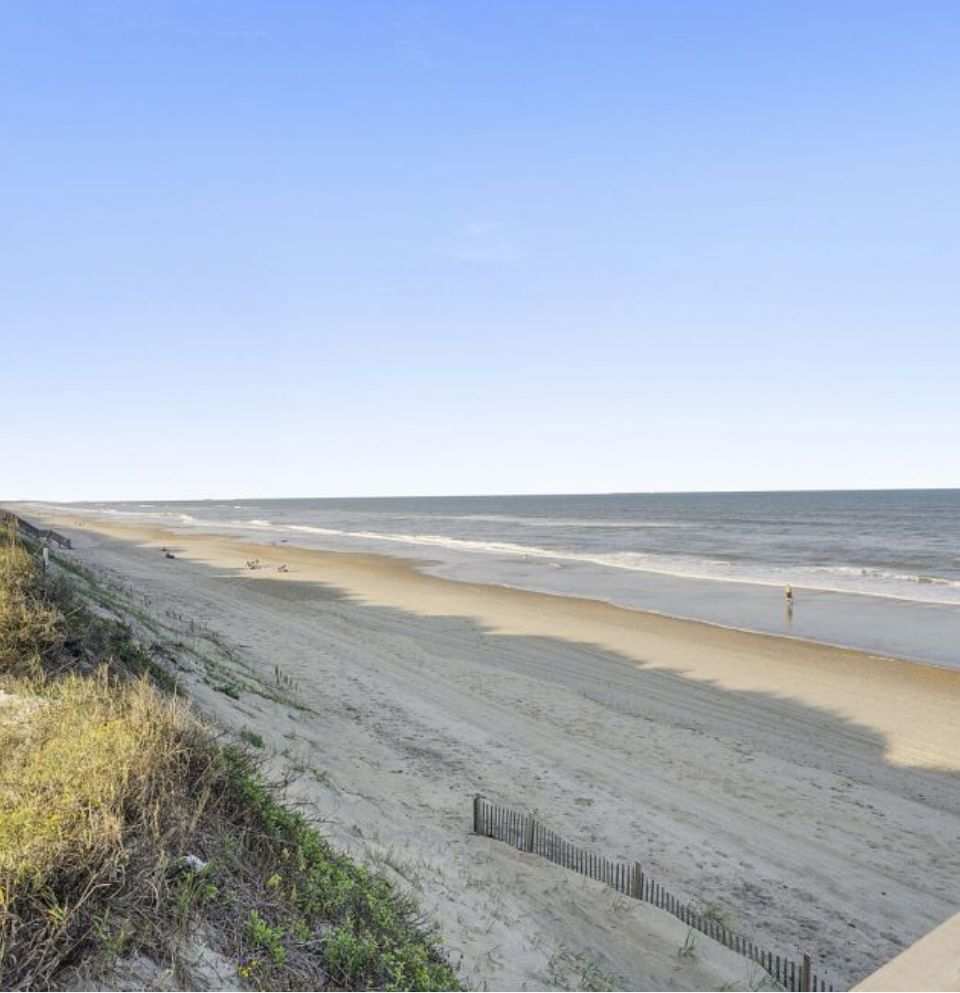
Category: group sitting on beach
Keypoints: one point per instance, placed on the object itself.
(257, 564)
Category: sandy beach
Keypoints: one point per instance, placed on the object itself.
(810, 793)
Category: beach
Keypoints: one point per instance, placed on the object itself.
(810, 793)
(875, 571)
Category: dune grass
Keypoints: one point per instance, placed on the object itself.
(96, 778)
(107, 783)
(31, 629)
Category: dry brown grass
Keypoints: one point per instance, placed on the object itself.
(101, 780)
(97, 795)
(31, 629)
(106, 782)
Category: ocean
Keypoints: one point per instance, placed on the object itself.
(876, 570)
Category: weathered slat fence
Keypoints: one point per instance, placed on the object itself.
(28, 529)
(525, 832)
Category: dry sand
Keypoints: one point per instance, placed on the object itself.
(811, 793)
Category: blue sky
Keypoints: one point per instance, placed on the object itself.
(296, 249)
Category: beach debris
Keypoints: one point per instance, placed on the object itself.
(189, 863)
(254, 564)
(282, 568)
(169, 555)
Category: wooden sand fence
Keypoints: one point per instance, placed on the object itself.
(28, 529)
(526, 833)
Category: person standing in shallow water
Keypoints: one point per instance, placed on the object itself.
(788, 596)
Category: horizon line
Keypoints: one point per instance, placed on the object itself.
(529, 493)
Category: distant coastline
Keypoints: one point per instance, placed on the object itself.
(872, 570)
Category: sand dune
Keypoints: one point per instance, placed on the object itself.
(811, 793)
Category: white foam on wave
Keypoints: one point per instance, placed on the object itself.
(902, 577)
(565, 522)
(844, 579)
(827, 579)
(164, 516)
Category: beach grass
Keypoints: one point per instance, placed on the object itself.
(128, 828)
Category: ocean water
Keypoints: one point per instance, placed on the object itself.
(878, 570)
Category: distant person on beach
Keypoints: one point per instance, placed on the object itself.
(788, 593)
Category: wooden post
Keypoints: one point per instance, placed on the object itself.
(805, 973)
(477, 813)
(528, 833)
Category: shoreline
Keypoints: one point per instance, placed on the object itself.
(245, 529)
(923, 631)
(387, 580)
(879, 656)
(432, 568)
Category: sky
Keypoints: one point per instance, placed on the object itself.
(281, 248)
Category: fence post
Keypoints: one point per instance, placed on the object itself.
(477, 813)
(805, 973)
(528, 827)
(636, 881)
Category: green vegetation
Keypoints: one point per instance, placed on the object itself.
(125, 826)
(568, 970)
(251, 738)
(374, 938)
(31, 631)
(688, 949)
